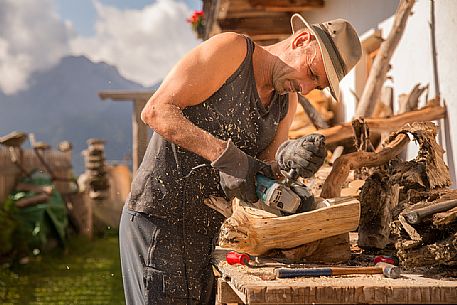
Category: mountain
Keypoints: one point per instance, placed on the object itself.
(62, 103)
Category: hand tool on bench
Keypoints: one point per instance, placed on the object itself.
(416, 216)
(393, 260)
(244, 259)
(388, 270)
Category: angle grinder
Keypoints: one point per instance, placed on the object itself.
(289, 196)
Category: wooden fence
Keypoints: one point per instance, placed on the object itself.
(59, 162)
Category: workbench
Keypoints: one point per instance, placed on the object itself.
(244, 285)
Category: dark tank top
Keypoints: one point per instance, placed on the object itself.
(172, 182)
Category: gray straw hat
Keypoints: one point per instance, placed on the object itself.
(340, 47)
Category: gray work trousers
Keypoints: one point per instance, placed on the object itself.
(160, 266)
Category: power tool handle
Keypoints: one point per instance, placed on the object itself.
(234, 258)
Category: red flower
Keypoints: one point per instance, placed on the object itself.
(196, 20)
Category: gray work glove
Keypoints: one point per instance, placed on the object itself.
(237, 172)
(305, 155)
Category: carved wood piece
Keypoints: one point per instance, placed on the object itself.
(255, 231)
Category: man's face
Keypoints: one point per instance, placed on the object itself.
(304, 72)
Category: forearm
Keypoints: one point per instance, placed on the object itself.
(168, 121)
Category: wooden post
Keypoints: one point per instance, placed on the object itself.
(139, 133)
(139, 129)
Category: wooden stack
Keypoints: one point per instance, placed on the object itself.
(94, 157)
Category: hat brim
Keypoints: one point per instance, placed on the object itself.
(298, 23)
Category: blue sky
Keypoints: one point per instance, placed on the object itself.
(83, 15)
(143, 39)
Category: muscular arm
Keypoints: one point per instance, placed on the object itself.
(195, 78)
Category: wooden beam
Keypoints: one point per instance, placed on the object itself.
(287, 5)
(125, 95)
(280, 25)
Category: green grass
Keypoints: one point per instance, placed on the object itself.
(87, 272)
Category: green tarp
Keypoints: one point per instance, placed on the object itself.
(41, 221)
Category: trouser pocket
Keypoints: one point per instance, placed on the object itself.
(162, 288)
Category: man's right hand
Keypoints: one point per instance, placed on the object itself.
(304, 155)
(237, 171)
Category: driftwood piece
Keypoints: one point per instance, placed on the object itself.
(312, 113)
(220, 205)
(430, 154)
(378, 125)
(362, 143)
(255, 231)
(410, 101)
(440, 252)
(384, 106)
(381, 65)
(379, 198)
(340, 170)
(47, 189)
(32, 200)
(362, 135)
(445, 218)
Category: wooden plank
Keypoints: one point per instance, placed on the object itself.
(287, 5)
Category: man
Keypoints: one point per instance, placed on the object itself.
(220, 117)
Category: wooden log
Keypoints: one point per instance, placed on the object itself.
(377, 125)
(378, 198)
(340, 170)
(381, 65)
(255, 231)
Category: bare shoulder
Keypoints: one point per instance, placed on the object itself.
(227, 48)
(204, 69)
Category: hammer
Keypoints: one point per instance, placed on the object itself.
(388, 270)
